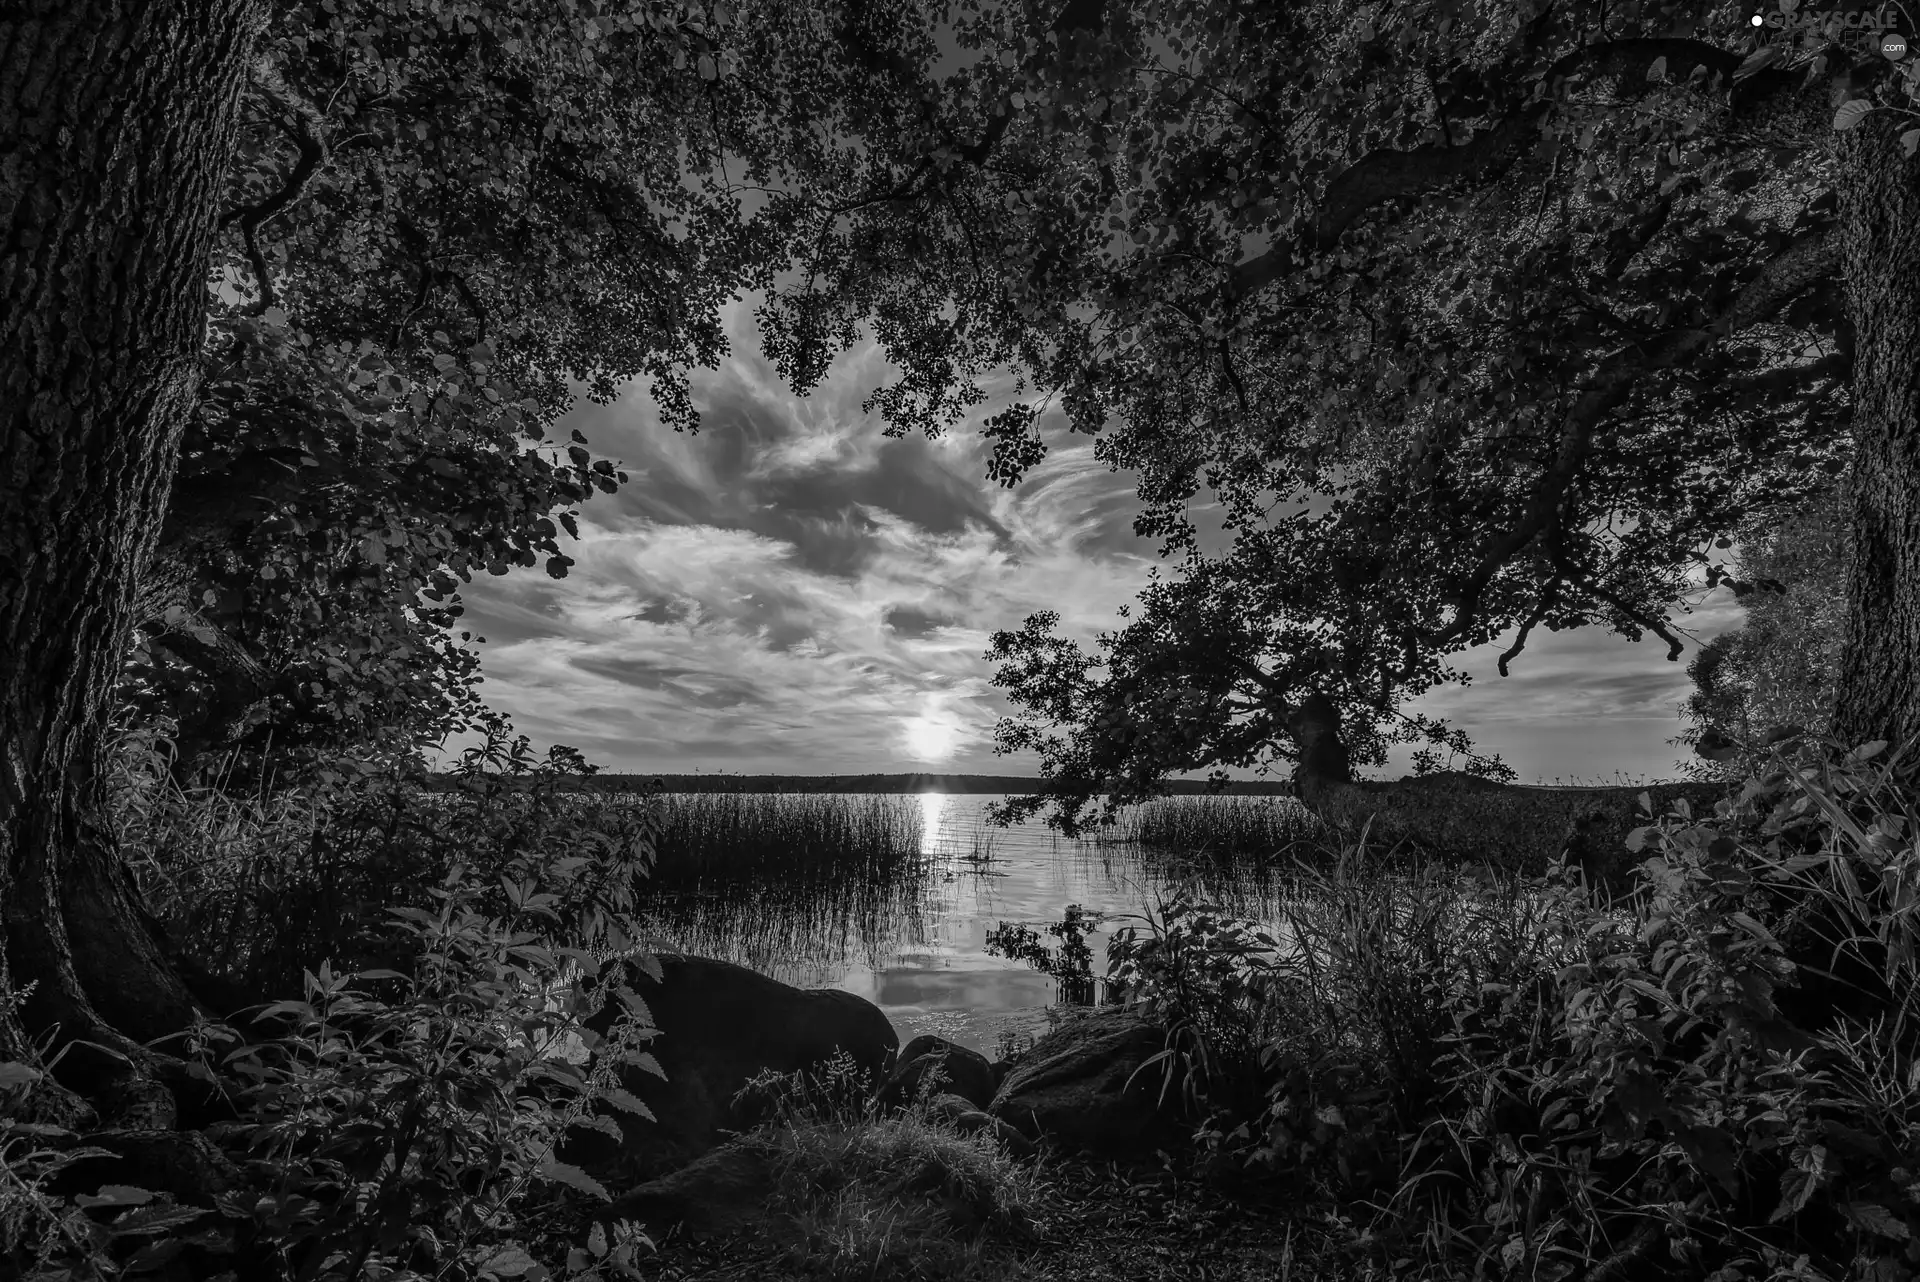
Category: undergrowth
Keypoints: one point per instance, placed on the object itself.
(392, 1121)
(1714, 1076)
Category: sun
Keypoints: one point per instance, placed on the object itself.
(930, 740)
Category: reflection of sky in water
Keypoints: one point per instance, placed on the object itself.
(930, 970)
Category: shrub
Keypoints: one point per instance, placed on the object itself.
(1718, 1075)
(398, 1123)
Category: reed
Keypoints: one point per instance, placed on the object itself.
(762, 877)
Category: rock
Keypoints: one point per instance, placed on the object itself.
(1072, 1086)
(961, 1114)
(726, 1190)
(1001, 1067)
(954, 1068)
(720, 1025)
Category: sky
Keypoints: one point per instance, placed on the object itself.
(790, 591)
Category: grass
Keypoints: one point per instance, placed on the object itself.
(763, 877)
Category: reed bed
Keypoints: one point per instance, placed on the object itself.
(759, 877)
(1210, 826)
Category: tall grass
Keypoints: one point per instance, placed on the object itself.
(760, 877)
(1210, 826)
(1716, 1076)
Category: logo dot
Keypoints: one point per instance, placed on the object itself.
(1758, 21)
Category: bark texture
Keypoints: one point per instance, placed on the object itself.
(1879, 687)
(117, 120)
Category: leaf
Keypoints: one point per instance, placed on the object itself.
(511, 1262)
(13, 1075)
(154, 1219)
(1759, 60)
(1910, 141)
(1658, 71)
(708, 70)
(573, 1177)
(598, 1122)
(1851, 113)
(628, 1101)
(1871, 1217)
(1798, 1183)
(1875, 747)
(114, 1195)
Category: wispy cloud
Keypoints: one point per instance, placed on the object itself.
(790, 590)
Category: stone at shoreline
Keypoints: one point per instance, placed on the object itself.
(1072, 1086)
(966, 1118)
(720, 1025)
(954, 1069)
(725, 1190)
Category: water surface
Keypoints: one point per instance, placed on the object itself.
(922, 956)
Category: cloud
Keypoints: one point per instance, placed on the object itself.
(790, 590)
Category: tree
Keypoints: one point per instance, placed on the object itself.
(419, 228)
(1472, 317)
(436, 220)
(117, 123)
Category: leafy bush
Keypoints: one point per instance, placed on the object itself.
(1717, 1076)
(257, 888)
(392, 1123)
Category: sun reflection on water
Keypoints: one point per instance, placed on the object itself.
(933, 806)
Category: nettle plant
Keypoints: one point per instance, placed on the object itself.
(1725, 1076)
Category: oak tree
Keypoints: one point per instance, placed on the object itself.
(337, 266)
(1473, 316)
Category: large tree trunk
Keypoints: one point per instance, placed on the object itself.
(117, 120)
(1879, 688)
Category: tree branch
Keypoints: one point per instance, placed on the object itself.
(1383, 176)
(1812, 258)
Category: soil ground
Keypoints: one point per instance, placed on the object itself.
(1099, 1222)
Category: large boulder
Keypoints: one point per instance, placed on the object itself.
(1073, 1087)
(950, 1067)
(720, 1025)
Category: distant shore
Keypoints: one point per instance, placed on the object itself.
(964, 785)
(1010, 785)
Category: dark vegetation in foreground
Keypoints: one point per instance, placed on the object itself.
(1450, 1074)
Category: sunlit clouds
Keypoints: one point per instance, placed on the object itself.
(791, 591)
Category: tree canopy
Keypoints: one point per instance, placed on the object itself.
(1472, 317)
(443, 221)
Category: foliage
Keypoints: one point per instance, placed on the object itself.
(1715, 1076)
(255, 889)
(444, 222)
(1471, 318)
(1778, 671)
(395, 1123)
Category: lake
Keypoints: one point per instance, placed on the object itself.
(919, 950)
